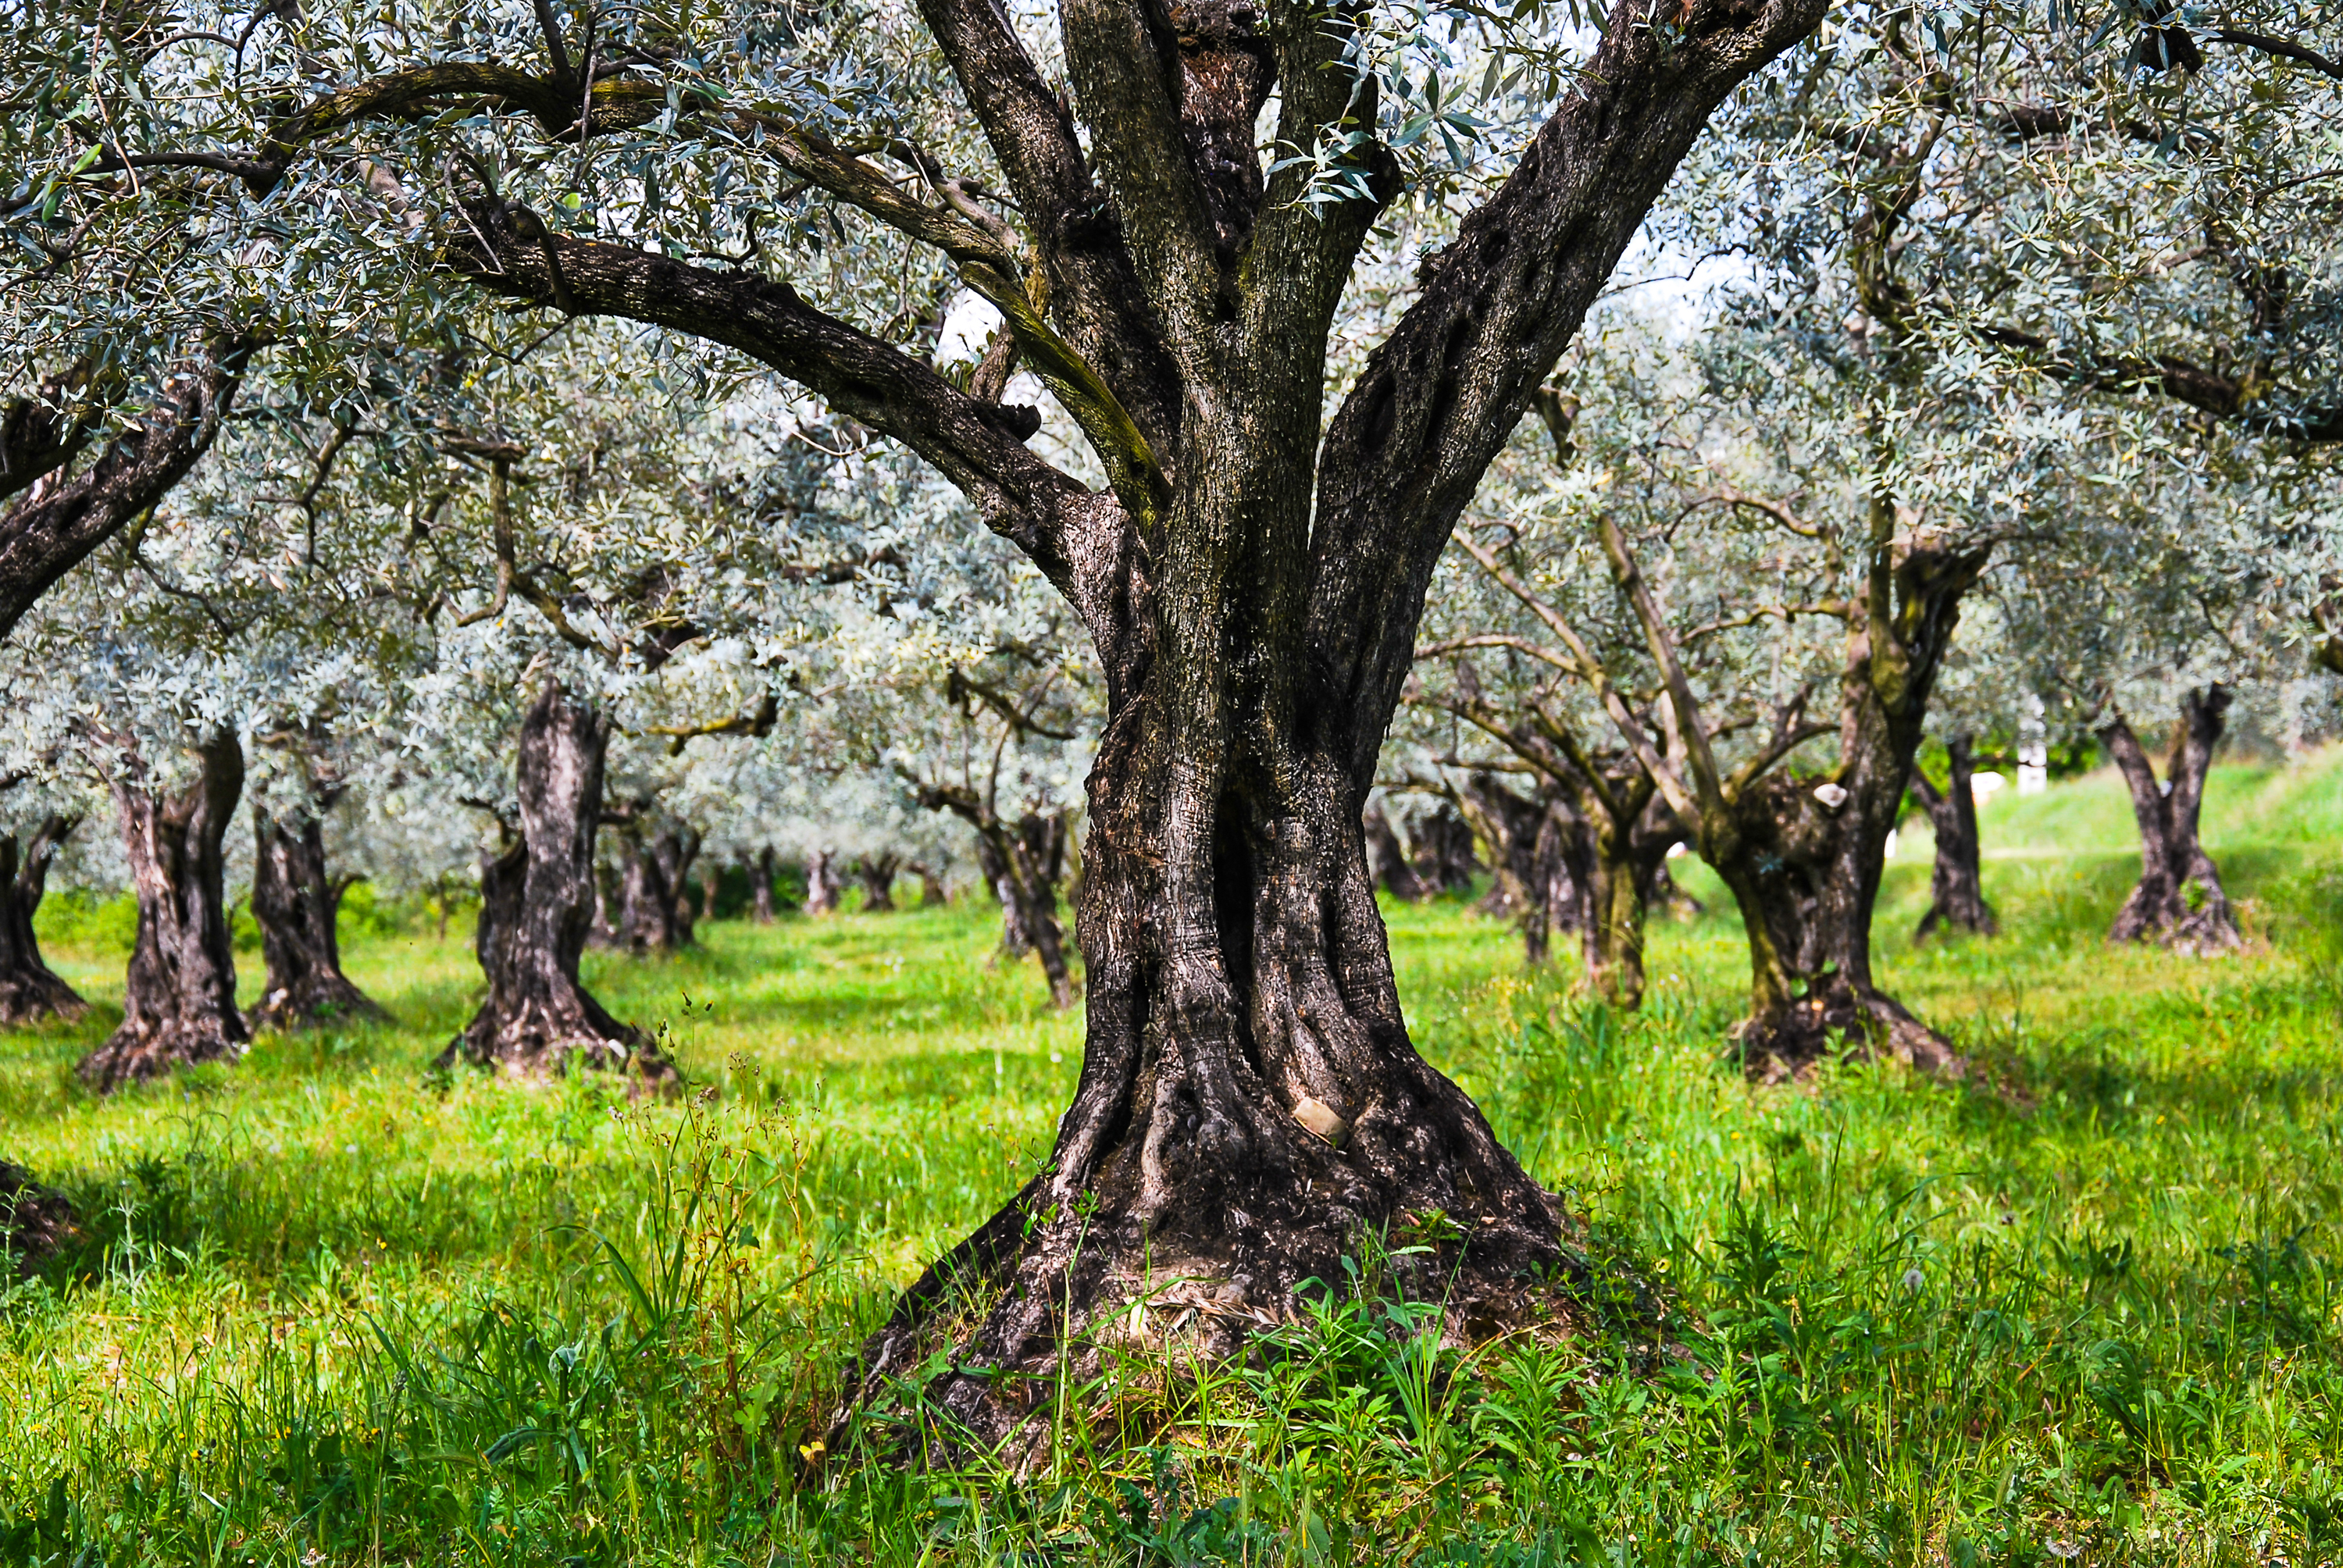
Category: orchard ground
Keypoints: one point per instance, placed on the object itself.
(2088, 1308)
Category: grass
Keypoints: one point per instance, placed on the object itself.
(332, 1313)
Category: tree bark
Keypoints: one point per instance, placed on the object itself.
(1444, 858)
(29, 989)
(823, 884)
(2178, 900)
(876, 874)
(654, 890)
(536, 903)
(1804, 856)
(294, 903)
(762, 872)
(1387, 863)
(711, 883)
(179, 996)
(35, 1221)
(1022, 863)
(61, 516)
(1956, 886)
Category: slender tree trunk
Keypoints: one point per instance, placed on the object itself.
(933, 894)
(876, 874)
(1956, 888)
(179, 996)
(29, 989)
(2178, 900)
(823, 883)
(1387, 858)
(536, 902)
(294, 903)
(711, 884)
(35, 1221)
(762, 872)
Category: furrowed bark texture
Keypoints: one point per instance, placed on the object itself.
(1804, 856)
(179, 995)
(1956, 886)
(61, 516)
(536, 903)
(2178, 900)
(29, 989)
(294, 902)
(1251, 1108)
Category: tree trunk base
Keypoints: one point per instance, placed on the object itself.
(1041, 1299)
(35, 1223)
(535, 1043)
(135, 1055)
(1841, 1021)
(30, 995)
(320, 999)
(2161, 914)
(1941, 922)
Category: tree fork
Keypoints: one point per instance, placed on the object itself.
(2178, 900)
(179, 993)
(294, 903)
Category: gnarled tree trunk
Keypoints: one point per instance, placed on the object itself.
(2178, 900)
(29, 989)
(294, 902)
(1956, 886)
(933, 894)
(823, 884)
(61, 516)
(1023, 863)
(1511, 825)
(1444, 858)
(654, 907)
(1804, 856)
(536, 900)
(1387, 862)
(179, 997)
(876, 874)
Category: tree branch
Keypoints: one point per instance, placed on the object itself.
(53, 528)
(1438, 398)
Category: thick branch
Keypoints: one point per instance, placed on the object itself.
(1439, 398)
(55, 526)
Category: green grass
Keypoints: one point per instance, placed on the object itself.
(2085, 1310)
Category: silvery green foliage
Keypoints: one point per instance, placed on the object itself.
(2124, 206)
(1742, 474)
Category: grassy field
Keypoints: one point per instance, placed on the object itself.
(2086, 1311)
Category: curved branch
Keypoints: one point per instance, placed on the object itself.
(55, 526)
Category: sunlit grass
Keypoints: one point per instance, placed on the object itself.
(2081, 1309)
